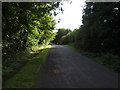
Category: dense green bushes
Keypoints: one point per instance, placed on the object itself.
(26, 24)
(99, 36)
(100, 31)
(61, 32)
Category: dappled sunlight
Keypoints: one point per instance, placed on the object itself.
(53, 46)
(56, 70)
(38, 35)
(48, 46)
(32, 52)
(37, 48)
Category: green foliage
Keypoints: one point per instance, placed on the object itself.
(26, 24)
(26, 77)
(19, 57)
(100, 31)
(100, 27)
(61, 32)
(108, 60)
(70, 37)
(99, 36)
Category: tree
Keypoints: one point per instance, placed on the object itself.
(100, 24)
(61, 32)
(100, 30)
(26, 24)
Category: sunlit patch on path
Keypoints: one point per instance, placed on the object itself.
(56, 70)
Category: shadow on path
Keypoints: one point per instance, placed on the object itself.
(66, 68)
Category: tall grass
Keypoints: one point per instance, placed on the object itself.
(26, 77)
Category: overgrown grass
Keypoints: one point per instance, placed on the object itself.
(108, 60)
(25, 78)
(14, 62)
(19, 58)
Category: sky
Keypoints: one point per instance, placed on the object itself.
(72, 15)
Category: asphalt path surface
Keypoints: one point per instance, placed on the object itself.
(67, 68)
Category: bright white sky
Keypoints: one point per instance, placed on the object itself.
(72, 15)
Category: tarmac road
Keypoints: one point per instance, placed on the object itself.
(67, 68)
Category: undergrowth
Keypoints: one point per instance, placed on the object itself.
(107, 59)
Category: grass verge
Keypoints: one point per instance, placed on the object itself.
(25, 78)
(106, 59)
